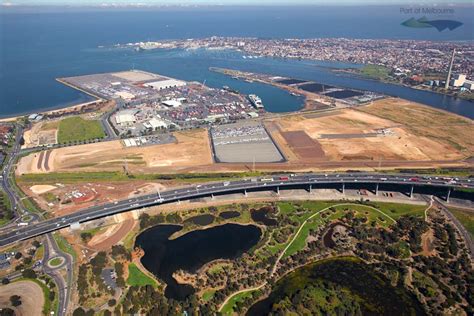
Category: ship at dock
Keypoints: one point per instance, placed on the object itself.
(256, 101)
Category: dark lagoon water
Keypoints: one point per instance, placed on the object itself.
(191, 251)
(39, 45)
(229, 214)
(201, 220)
(262, 216)
(379, 297)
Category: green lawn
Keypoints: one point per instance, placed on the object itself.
(228, 308)
(392, 210)
(138, 278)
(375, 72)
(466, 218)
(64, 245)
(208, 295)
(55, 262)
(75, 128)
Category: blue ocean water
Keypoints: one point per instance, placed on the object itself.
(39, 45)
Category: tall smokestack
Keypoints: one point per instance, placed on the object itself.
(448, 79)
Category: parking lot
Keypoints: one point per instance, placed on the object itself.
(244, 142)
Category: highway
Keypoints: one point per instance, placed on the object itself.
(409, 182)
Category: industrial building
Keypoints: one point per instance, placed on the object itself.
(165, 84)
(458, 80)
(126, 117)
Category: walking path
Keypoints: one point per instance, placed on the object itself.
(293, 240)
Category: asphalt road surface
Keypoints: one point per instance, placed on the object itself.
(251, 184)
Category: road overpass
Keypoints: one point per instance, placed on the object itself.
(310, 181)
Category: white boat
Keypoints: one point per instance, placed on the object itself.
(256, 101)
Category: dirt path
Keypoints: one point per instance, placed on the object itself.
(115, 237)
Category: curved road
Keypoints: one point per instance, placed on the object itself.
(256, 184)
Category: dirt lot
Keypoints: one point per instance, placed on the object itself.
(452, 131)
(304, 146)
(32, 298)
(191, 149)
(113, 234)
(63, 199)
(410, 137)
(43, 133)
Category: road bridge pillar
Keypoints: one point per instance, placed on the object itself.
(343, 188)
(377, 189)
(245, 193)
(278, 190)
(310, 188)
(411, 191)
(447, 195)
(212, 196)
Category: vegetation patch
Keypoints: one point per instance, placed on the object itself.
(137, 278)
(466, 218)
(76, 129)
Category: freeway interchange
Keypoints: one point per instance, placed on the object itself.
(308, 181)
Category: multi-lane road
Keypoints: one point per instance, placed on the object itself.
(371, 180)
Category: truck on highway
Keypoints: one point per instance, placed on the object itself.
(266, 180)
(284, 178)
(22, 224)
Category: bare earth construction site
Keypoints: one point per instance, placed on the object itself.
(223, 132)
(342, 138)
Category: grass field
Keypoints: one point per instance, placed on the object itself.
(228, 308)
(108, 176)
(466, 218)
(138, 278)
(208, 295)
(64, 245)
(375, 72)
(73, 129)
(55, 262)
(385, 216)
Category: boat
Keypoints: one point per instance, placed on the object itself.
(229, 89)
(256, 101)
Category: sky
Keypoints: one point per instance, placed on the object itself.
(227, 2)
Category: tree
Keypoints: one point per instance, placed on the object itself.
(29, 274)
(18, 255)
(112, 302)
(86, 237)
(36, 244)
(5, 281)
(15, 300)
(79, 312)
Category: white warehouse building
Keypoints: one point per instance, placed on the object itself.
(125, 117)
(165, 84)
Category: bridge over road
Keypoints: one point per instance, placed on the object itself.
(409, 184)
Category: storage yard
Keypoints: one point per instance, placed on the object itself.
(149, 102)
(347, 138)
(244, 142)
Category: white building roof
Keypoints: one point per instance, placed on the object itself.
(156, 123)
(124, 117)
(165, 84)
